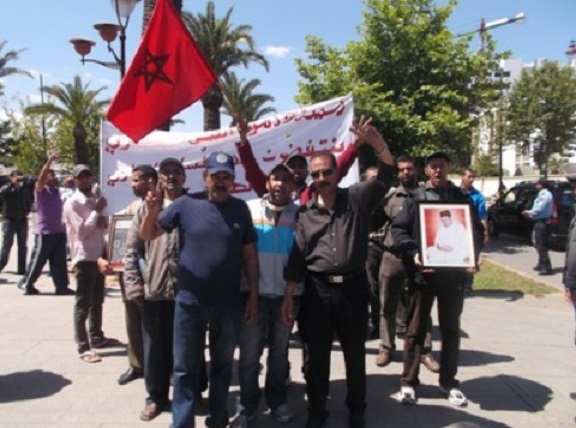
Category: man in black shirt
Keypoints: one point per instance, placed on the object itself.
(329, 254)
(445, 284)
(17, 203)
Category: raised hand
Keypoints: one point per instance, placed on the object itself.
(154, 195)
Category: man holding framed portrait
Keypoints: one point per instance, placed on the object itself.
(433, 225)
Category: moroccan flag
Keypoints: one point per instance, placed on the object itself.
(167, 74)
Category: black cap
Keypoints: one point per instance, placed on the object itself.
(283, 167)
(296, 156)
(166, 161)
(79, 169)
(445, 213)
(437, 155)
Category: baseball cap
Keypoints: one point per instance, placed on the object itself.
(79, 169)
(296, 157)
(220, 162)
(169, 160)
(281, 167)
(438, 155)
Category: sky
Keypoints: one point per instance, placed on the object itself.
(44, 27)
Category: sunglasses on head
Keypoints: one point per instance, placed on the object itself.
(325, 173)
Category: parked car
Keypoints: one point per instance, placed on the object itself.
(505, 215)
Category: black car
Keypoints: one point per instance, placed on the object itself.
(505, 215)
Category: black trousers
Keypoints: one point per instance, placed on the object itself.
(448, 288)
(51, 248)
(341, 309)
(373, 261)
(541, 233)
(89, 301)
(158, 332)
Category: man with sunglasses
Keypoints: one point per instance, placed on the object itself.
(329, 254)
(217, 241)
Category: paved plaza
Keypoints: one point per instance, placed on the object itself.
(517, 367)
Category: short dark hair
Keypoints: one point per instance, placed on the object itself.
(16, 172)
(333, 163)
(405, 158)
(147, 171)
(465, 170)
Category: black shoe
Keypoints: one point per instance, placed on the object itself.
(536, 268)
(357, 420)
(129, 375)
(32, 291)
(65, 292)
(546, 272)
(316, 420)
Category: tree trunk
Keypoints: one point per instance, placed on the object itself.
(81, 150)
(212, 102)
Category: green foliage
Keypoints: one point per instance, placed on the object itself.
(76, 104)
(5, 68)
(543, 111)
(409, 73)
(241, 99)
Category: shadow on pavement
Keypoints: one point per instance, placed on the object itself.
(508, 393)
(470, 358)
(506, 245)
(508, 296)
(30, 385)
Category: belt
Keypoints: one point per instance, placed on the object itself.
(338, 278)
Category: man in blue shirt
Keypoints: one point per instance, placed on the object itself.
(467, 184)
(217, 240)
(540, 213)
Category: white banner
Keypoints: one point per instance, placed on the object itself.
(320, 127)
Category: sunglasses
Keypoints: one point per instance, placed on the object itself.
(325, 173)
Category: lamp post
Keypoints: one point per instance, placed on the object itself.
(519, 18)
(109, 32)
(571, 53)
(500, 74)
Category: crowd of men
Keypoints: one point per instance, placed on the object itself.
(243, 273)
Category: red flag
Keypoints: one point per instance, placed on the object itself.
(167, 74)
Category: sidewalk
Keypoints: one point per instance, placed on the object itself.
(517, 368)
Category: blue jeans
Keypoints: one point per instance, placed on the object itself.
(190, 323)
(11, 227)
(267, 327)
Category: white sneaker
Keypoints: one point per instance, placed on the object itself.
(406, 395)
(455, 396)
(283, 414)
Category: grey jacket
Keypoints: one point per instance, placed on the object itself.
(150, 267)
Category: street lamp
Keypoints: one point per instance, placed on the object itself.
(519, 18)
(109, 32)
(571, 53)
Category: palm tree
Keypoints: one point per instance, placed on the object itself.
(224, 46)
(242, 100)
(76, 104)
(6, 70)
(149, 8)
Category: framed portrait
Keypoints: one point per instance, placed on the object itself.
(117, 237)
(446, 234)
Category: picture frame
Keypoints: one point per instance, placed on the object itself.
(117, 238)
(446, 235)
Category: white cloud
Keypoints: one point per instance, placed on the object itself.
(277, 51)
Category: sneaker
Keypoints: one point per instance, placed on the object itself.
(455, 396)
(242, 421)
(283, 414)
(406, 395)
(383, 358)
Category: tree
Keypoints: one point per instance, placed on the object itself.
(7, 70)
(542, 111)
(148, 8)
(224, 46)
(242, 99)
(76, 104)
(409, 73)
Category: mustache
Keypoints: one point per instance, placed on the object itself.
(323, 184)
(220, 188)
